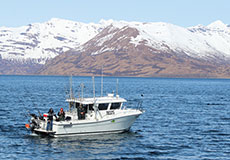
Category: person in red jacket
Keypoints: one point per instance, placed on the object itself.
(61, 115)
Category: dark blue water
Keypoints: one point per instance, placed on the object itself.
(184, 119)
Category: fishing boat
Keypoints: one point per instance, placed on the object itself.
(95, 115)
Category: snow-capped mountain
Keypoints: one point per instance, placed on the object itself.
(200, 41)
(136, 48)
(42, 41)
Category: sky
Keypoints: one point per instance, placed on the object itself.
(186, 13)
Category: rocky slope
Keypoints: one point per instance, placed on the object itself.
(134, 49)
(155, 49)
(33, 45)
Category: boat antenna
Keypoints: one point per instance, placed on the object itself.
(102, 81)
(71, 87)
(117, 88)
(93, 87)
(82, 90)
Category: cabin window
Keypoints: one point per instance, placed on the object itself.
(115, 105)
(103, 106)
(77, 105)
(85, 107)
(71, 104)
(90, 107)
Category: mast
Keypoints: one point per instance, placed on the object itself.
(93, 87)
(102, 81)
(71, 87)
(82, 90)
(117, 88)
(71, 91)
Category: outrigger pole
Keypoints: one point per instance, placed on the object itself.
(93, 87)
(117, 88)
(82, 90)
(102, 81)
(71, 87)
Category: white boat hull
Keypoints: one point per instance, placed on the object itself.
(83, 127)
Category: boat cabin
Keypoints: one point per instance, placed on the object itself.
(105, 104)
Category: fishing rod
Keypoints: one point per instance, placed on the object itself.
(40, 115)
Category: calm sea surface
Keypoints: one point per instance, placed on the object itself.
(184, 119)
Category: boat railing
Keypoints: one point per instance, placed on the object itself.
(139, 105)
(135, 104)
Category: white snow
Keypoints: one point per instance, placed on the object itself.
(103, 49)
(217, 25)
(179, 39)
(43, 41)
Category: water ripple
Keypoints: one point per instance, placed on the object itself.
(184, 119)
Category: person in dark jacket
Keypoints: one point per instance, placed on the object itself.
(61, 115)
(81, 112)
(50, 120)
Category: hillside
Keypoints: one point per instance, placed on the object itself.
(122, 48)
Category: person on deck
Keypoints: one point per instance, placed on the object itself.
(61, 115)
(81, 112)
(50, 120)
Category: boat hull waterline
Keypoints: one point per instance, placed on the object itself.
(114, 125)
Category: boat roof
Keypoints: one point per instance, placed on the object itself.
(110, 98)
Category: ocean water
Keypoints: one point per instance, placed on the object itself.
(184, 119)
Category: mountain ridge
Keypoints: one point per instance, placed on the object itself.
(149, 49)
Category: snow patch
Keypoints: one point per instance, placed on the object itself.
(102, 50)
(43, 41)
(217, 25)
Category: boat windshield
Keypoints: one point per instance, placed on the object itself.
(103, 106)
(85, 106)
(115, 106)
